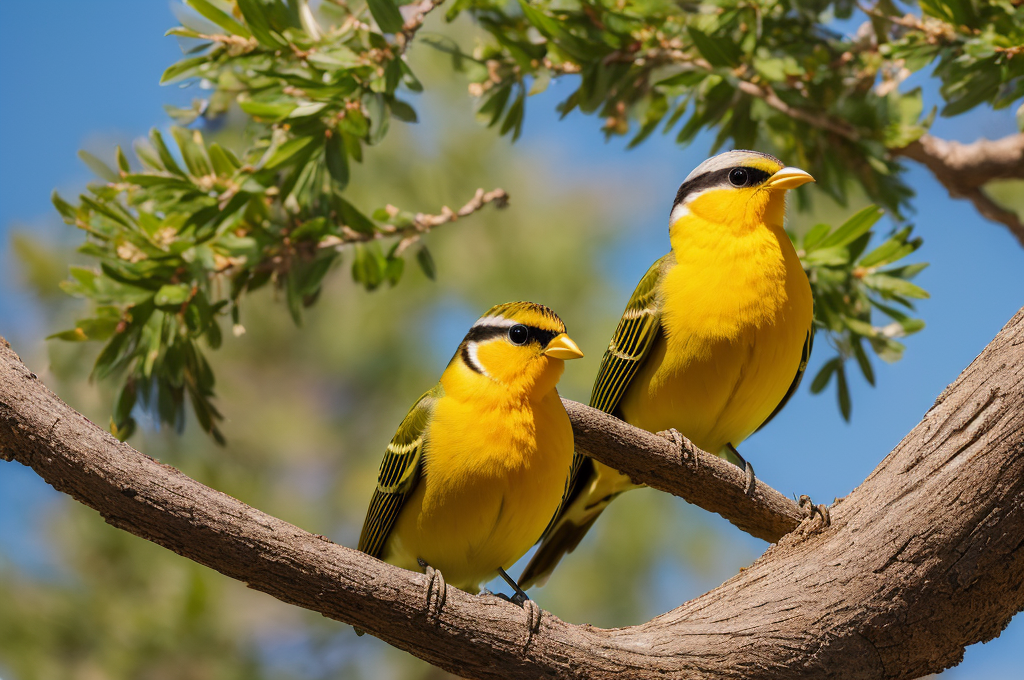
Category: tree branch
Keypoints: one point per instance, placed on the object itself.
(923, 558)
(420, 225)
(695, 475)
(964, 168)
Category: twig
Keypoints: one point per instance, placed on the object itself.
(420, 225)
(417, 13)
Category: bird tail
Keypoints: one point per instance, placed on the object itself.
(597, 485)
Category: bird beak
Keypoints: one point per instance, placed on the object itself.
(562, 347)
(788, 178)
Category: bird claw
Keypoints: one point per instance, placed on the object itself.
(751, 479)
(811, 509)
(531, 608)
(437, 591)
(686, 454)
(748, 469)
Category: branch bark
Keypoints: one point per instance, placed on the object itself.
(701, 478)
(965, 168)
(923, 558)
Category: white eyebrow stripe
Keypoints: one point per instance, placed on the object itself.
(474, 360)
(495, 321)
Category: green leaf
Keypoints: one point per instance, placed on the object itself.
(863, 361)
(172, 295)
(222, 19)
(402, 111)
(287, 152)
(380, 117)
(165, 155)
(273, 111)
(224, 162)
(190, 143)
(99, 167)
(66, 210)
(824, 375)
(338, 57)
(394, 269)
(843, 392)
(368, 266)
(575, 46)
(492, 109)
(122, 161)
(386, 14)
(889, 285)
(182, 69)
(718, 50)
(337, 160)
(857, 225)
(351, 217)
(426, 262)
(815, 235)
(836, 256)
(514, 119)
(259, 24)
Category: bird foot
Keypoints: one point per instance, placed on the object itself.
(520, 596)
(747, 468)
(686, 454)
(437, 591)
(531, 608)
(811, 509)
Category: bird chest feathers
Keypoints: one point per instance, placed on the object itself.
(736, 309)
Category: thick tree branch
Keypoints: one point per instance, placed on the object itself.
(923, 558)
(698, 476)
(964, 168)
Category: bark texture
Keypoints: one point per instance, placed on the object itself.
(684, 470)
(923, 558)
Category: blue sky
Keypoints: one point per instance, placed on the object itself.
(93, 82)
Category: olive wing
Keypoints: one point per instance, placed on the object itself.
(399, 474)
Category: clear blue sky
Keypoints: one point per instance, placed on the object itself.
(76, 74)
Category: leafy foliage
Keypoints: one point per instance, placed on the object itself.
(765, 74)
(180, 241)
(849, 284)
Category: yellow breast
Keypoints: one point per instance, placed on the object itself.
(736, 311)
(494, 470)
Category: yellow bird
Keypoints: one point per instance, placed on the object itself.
(479, 465)
(714, 340)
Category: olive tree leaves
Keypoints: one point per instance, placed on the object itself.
(181, 236)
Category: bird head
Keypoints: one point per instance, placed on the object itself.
(520, 344)
(740, 189)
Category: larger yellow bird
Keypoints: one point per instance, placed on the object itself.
(714, 340)
(480, 464)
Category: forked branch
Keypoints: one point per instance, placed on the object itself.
(923, 558)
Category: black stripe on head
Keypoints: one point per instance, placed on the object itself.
(745, 176)
(479, 334)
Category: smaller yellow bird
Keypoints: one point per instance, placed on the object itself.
(479, 465)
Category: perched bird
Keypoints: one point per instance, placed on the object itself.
(480, 464)
(714, 340)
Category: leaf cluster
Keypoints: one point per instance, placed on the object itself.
(850, 284)
(766, 74)
(181, 239)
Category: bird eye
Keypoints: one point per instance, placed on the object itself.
(738, 177)
(519, 334)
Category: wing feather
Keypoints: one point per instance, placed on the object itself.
(399, 473)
